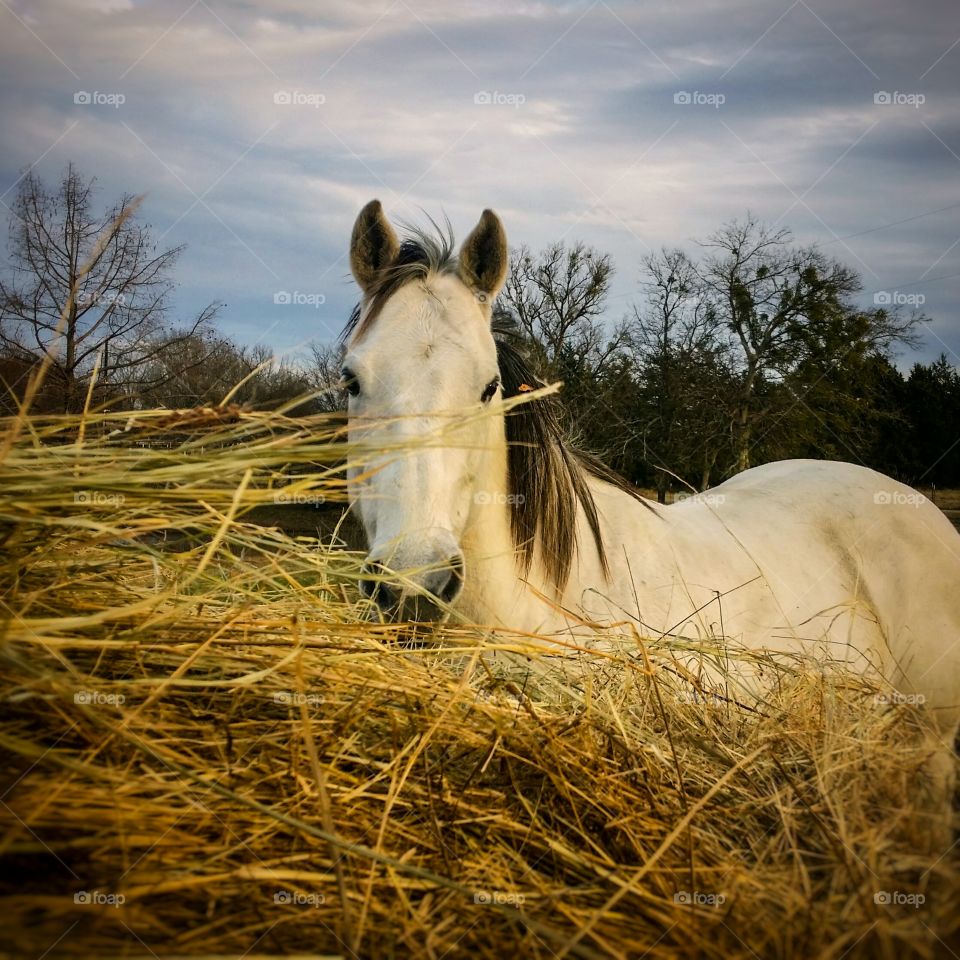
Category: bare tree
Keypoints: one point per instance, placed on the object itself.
(113, 316)
(324, 374)
(558, 298)
(682, 356)
(676, 314)
(189, 369)
(202, 369)
(276, 381)
(784, 305)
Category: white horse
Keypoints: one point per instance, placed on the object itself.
(502, 522)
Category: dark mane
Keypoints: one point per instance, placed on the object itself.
(546, 477)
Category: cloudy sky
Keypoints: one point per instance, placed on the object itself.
(257, 131)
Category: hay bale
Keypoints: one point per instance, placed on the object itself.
(209, 749)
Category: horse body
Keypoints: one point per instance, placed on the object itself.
(800, 557)
(469, 506)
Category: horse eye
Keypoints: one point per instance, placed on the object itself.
(349, 382)
(489, 390)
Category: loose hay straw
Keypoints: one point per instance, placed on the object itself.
(201, 720)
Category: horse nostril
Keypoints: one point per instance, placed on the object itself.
(381, 593)
(386, 596)
(454, 582)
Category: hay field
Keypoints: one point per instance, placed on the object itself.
(209, 749)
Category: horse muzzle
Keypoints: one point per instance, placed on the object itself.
(415, 584)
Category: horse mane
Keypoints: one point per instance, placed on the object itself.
(546, 475)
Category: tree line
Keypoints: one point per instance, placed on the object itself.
(752, 348)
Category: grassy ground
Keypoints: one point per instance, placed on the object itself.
(209, 749)
(947, 500)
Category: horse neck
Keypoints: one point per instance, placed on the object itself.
(494, 592)
(498, 591)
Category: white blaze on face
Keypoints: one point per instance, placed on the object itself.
(421, 369)
(419, 375)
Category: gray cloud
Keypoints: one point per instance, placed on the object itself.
(264, 193)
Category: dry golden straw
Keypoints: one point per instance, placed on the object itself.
(211, 749)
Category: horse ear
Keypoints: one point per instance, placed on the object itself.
(373, 245)
(484, 255)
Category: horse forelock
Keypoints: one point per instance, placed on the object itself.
(422, 253)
